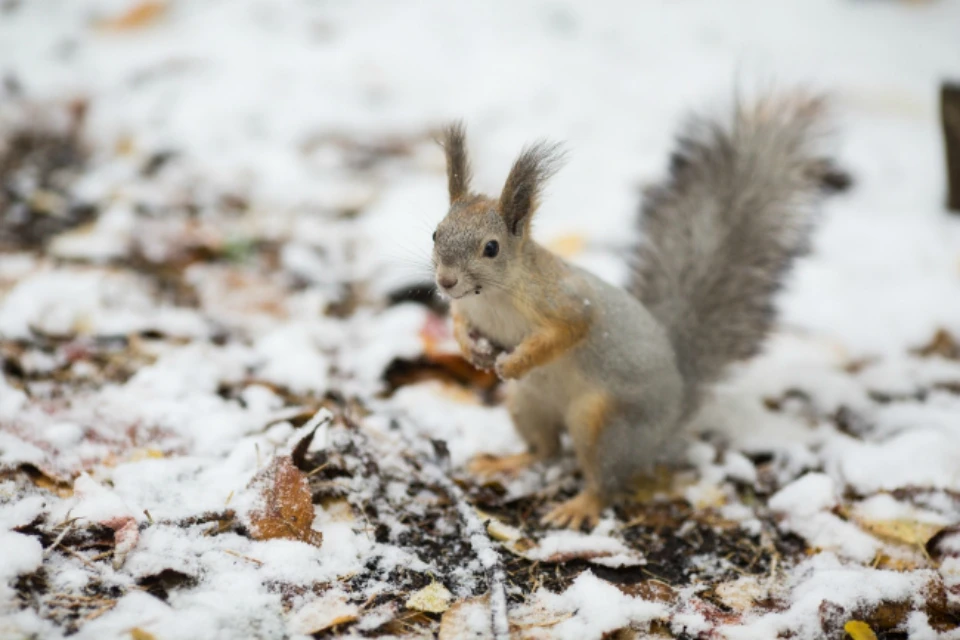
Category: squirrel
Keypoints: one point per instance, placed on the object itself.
(622, 370)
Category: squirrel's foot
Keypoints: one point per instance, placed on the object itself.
(487, 466)
(584, 508)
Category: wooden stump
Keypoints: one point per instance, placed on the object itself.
(950, 114)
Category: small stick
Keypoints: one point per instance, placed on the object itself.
(950, 114)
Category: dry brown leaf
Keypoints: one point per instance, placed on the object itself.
(326, 612)
(942, 344)
(48, 482)
(140, 15)
(461, 620)
(650, 590)
(287, 506)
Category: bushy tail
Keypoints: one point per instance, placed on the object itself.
(721, 231)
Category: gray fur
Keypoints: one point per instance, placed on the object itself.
(459, 174)
(720, 233)
(521, 192)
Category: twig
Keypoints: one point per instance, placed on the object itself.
(81, 558)
(482, 547)
(243, 557)
(950, 114)
(58, 540)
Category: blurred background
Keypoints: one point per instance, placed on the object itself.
(281, 107)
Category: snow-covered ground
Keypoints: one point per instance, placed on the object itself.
(202, 281)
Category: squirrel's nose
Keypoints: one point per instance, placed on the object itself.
(447, 282)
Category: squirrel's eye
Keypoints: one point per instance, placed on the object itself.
(491, 249)
(434, 236)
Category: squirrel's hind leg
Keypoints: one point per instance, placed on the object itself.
(587, 420)
(537, 422)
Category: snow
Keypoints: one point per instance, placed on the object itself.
(806, 496)
(825, 578)
(22, 554)
(601, 608)
(277, 106)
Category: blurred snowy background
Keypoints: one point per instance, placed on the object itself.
(213, 220)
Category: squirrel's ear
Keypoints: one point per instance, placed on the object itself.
(454, 142)
(525, 183)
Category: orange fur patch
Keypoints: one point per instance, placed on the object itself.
(592, 416)
(558, 333)
(461, 332)
(586, 421)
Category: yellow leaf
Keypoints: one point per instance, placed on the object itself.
(498, 529)
(567, 246)
(140, 15)
(145, 454)
(859, 630)
(908, 532)
(139, 634)
(433, 598)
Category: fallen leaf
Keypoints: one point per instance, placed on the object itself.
(567, 246)
(650, 590)
(942, 344)
(565, 546)
(140, 15)
(498, 529)
(433, 598)
(43, 480)
(468, 618)
(411, 623)
(448, 368)
(324, 613)
(126, 533)
(740, 594)
(945, 542)
(859, 630)
(145, 454)
(139, 634)
(287, 505)
(908, 532)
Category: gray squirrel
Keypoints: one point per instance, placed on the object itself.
(623, 370)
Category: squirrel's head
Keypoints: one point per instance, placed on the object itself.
(477, 247)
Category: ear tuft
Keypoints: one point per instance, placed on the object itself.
(454, 142)
(524, 185)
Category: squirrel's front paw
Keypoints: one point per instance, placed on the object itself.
(508, 367)
(482, 355)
